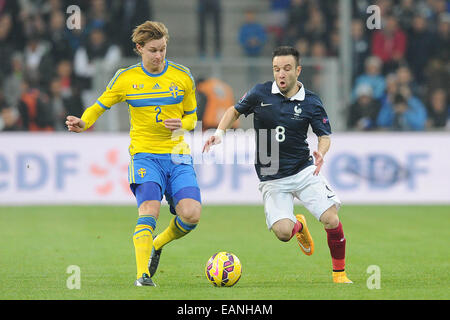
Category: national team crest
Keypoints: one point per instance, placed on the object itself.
(141, 172)
(138, 86)
(297, 112)
(173, 90)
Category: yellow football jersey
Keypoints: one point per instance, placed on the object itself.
(151, 99)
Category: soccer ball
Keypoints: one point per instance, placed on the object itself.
(223, 269)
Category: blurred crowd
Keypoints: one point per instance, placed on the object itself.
(400, 72)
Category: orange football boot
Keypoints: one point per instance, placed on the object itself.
(341, 277)
(304, 238)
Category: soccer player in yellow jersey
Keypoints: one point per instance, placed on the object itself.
(161, 99)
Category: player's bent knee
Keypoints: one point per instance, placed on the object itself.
(283, 229)
(189, 210)
(285, 237)
(150, 207)
(330, 219)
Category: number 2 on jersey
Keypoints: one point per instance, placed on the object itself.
(159, 111)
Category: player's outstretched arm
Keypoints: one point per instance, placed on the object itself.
(75, 124)
(230, 116)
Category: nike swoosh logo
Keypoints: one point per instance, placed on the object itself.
(306, 249)
(217, 267)
(265, 104)
(329, 197)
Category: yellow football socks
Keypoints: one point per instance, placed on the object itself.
(143, 242)
(177, 228)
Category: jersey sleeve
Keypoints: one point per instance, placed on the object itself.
(189, 101)
(114, 93)
(320, 123)
(247, 103)
(189, 118)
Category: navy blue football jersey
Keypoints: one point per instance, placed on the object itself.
(281, 126)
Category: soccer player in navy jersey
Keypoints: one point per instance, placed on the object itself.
(283, 111)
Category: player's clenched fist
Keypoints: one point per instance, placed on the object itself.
(75, 124)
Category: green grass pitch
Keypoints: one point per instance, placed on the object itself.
(409, 244)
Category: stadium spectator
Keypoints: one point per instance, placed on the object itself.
(3, 101)
(420, 47)
(302, 45)
(51, 7)
(360, 47)
(297, 15)
(98, 16)
(219, 97)
(209, 10)
(60, 48)
(33, 24)
(437, 74)
(359, 9)
(62, 106)
(405, 78)
(371, 77)
(13, 82)
(334, 43)
(405, 12)
(34, 52)
(442, 50)
(78, 36)
(252, 38)
(315, 27)
(97, 55)
(386, 6)
(68, 81)
(318, 49)
(404, 113)
(9, 120)
(389, 44)
(10, 7)
(391, 88)
(438, 110)
(127, 15)
(439, 7)
(35, 112)
(252, 35)
(277, 20)
(7, 47)
(362, 114)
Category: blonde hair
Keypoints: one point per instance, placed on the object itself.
(147, 31)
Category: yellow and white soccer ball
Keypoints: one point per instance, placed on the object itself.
(223, 269)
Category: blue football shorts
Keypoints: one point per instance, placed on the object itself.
(153, 175)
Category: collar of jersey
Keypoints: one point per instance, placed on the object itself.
(300, 95)
(166, 65)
